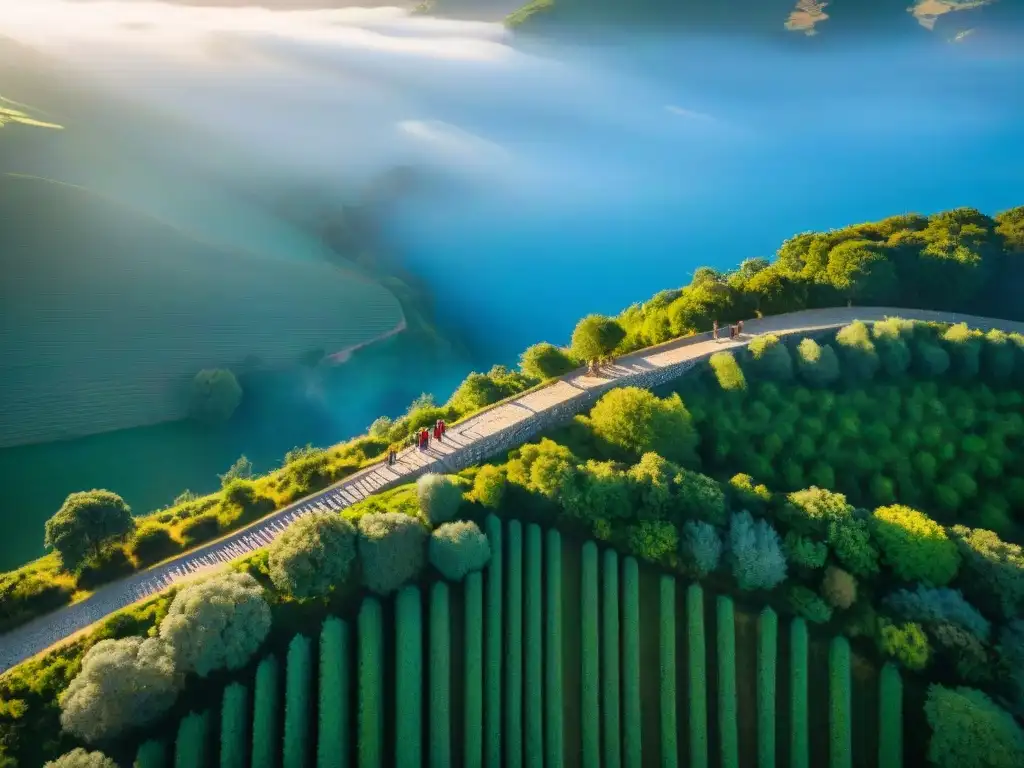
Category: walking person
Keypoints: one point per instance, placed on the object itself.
(437, 431)
(732, 332)
(714, 330)
(444, 427)
(739, 327)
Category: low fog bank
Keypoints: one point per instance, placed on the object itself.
(567, 176)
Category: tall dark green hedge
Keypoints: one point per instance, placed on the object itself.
(409, 677)
(839, 688)
(190, 748)
(553, 700)
(632, 744)
(890, 718)
(590, 677)
(767, 652)
(371, 685)
(727, 732)
(333, 737)
(234, 732)
(493, 640)
(514, 649)
(151, 754)
(697, 671)
(669, 723)
(799, 755)
(473, 656)
(610, 704)
(440, 677)
(298, 681)
(265, 723)
(533, 697)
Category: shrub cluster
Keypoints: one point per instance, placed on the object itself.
(948, 444)
(458, 549)
(969, 730)
(314, 556)
(392, 550)
(216, 623)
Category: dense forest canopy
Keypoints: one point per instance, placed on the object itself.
(959, 260)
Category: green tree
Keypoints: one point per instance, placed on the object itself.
(915, 546)
(817, 363)
(216, 394)
(216, 623)
(651, 480)
(458, 549)
(392, 550)
(812, 509)
(727, 371)
(122, 684)
(546, 468)
(1010, 225)
(969, 730)
(772, 292)
(860, 358)
(476, 391)
(699, 497)
(637, 421)
(313, 556)
(704, 300)
(240, 470)
(489, 486)
(85, 522)
(596, 337)
(439, 498)
(770, 358)
(545, 361)
(861, 272)
(906, 643)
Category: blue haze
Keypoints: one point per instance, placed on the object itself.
(561, 181)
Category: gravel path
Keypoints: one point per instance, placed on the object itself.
(45, 631)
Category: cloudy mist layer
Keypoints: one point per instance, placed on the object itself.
(660, 154)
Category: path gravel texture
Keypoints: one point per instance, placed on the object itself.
(46, 631)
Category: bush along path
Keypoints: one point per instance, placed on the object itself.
(490, 432)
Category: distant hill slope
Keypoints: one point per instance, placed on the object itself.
(781, 18)
(107, 314)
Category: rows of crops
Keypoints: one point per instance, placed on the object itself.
(557, 655)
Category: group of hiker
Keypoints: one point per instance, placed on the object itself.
(437, 434)
(421, 439)
(734, 330)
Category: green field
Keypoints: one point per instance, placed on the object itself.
(108, 313)
(410, 680)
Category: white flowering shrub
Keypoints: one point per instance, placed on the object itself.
(217, 623)
(122, 684)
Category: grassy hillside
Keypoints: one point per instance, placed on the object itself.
(108, 313)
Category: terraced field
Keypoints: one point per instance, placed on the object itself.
(559, 655)
(108, 314)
